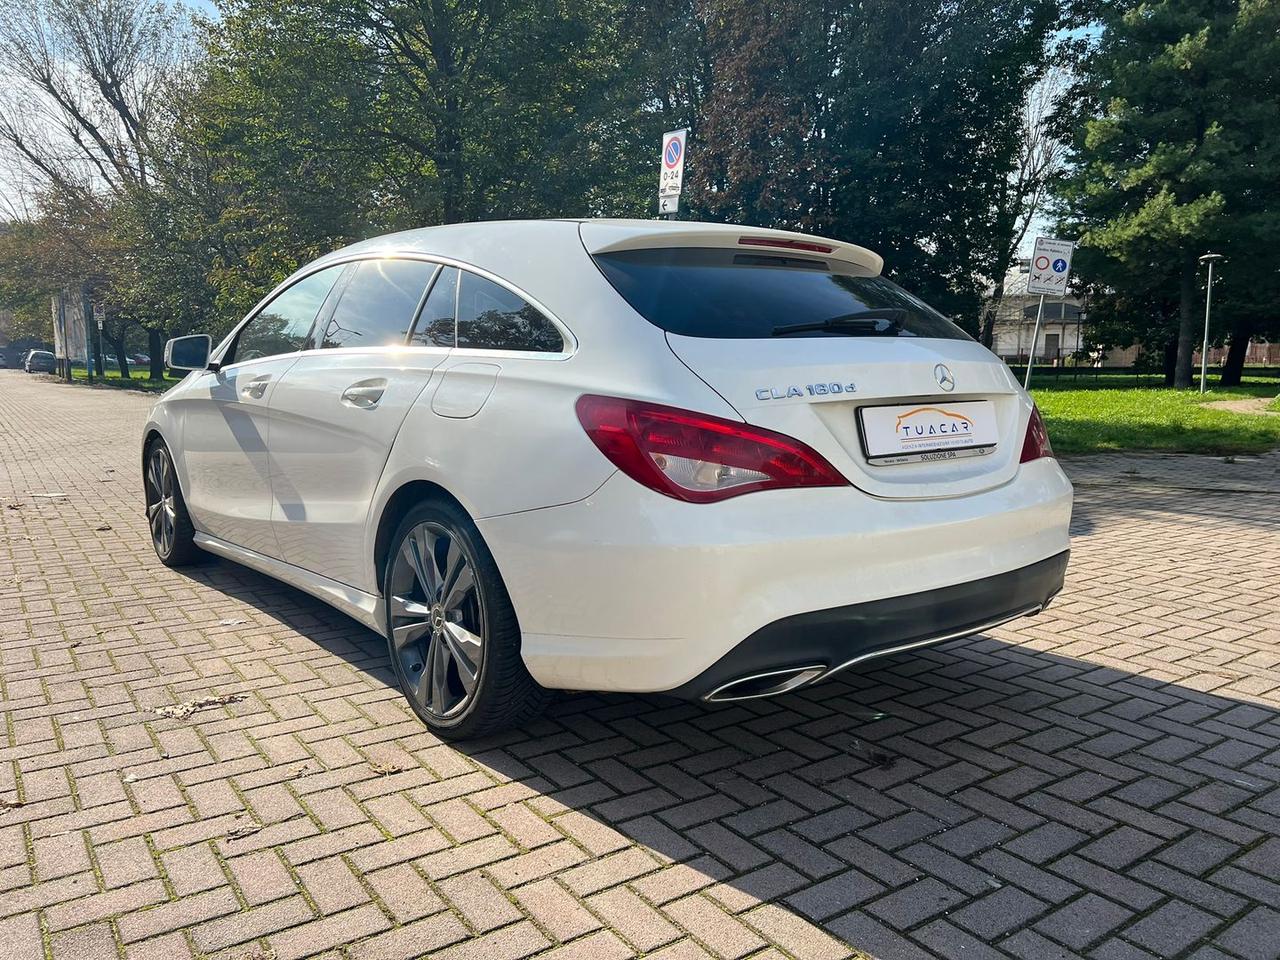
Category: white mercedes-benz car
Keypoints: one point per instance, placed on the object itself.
(714, 461)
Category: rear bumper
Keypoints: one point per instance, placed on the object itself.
(628, 590)
(808, 647)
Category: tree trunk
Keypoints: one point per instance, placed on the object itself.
(1186, 323)
(121, 357)
(86, 317)
(155, 347)
(987, 334)
(1233, 366)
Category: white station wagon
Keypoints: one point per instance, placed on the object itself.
(714, 461)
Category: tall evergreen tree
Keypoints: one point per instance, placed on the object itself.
(1175, 151)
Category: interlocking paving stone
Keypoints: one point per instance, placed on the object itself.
(1100, 780)
(1084, 921)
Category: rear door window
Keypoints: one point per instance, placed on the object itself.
(435, 327)
(727, 294)
(378, 305)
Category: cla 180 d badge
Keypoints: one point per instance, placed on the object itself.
(809, 389)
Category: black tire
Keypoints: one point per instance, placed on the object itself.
(438, 626)
(172, 534)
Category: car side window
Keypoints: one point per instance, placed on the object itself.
(283, 324)
(378, 304)
(491, 317)
(435, 326)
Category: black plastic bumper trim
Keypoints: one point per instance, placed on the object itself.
(840, 637)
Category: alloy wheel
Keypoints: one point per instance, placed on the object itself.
(437, 619)
(162, 513)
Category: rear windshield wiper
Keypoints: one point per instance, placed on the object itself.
(871, 323)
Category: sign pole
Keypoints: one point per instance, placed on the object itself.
(1035, 336)
(1050, 267)
(1210, 258)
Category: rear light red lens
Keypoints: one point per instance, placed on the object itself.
(785, 244)
(1037, 443)
(696, 457)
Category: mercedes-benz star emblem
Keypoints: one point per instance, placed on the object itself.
(945, 380)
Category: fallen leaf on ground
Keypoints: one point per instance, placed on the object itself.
(231, 622)
(13, 506)
(384, 769)
(51, 496)
(105, 526)
(180, 711)
(7, 805)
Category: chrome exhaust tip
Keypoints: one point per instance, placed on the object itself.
(765, 684)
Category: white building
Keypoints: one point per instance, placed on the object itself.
(1061, 328)
(1015, 324)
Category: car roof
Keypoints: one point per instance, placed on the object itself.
(492, 243)
(544, 260)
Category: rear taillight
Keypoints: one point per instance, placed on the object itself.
(1037, 443)
(696, 457)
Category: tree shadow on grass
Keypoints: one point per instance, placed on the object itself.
(1008, 797)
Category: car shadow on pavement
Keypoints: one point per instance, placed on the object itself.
(983, 792)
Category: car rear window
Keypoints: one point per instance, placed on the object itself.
(727, 294)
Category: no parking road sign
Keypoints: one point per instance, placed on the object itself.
(671, 169)
(1050, 265)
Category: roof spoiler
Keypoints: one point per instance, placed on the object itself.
(609, 236)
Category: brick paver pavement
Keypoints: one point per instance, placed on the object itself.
(1100, 781)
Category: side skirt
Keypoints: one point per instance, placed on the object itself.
(360, 606)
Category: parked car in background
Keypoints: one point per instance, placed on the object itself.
(713, 461)
(40, 361)
(141, 358)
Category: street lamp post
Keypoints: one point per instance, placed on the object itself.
(1210, 259)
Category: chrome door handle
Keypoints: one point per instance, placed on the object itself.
(364, 394)
(256, 388)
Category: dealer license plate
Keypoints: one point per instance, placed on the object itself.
(906, 432)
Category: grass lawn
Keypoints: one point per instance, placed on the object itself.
(1095, 418)
(136, 382)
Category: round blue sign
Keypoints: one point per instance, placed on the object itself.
(673, 152)
(1059, 266)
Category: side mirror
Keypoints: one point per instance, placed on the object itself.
(188, 353)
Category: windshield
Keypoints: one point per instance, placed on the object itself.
(726, 294)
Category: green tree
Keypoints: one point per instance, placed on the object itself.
(82, 112)
(892, 123)
(25, 286)
(1175, 147)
